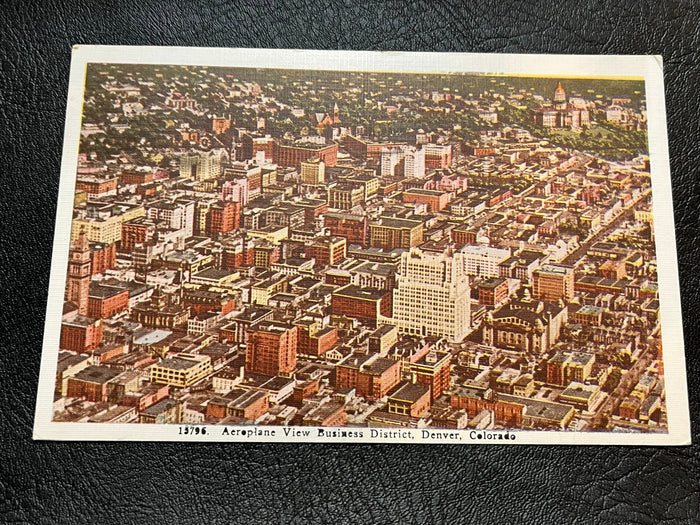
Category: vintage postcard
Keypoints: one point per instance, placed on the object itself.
(329, 246)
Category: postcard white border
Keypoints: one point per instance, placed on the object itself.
(648, 67)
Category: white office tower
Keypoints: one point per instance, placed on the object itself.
(404, 160)
(432, 296)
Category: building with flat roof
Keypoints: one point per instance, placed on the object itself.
(412, 399)
(371, 376)
(483, 260)
(271, 348)
(81, 334)
(551, 282)
(181, 370)
(365, 304)
(165, 411)
(432, 296)
(91, 383)
(390, 233)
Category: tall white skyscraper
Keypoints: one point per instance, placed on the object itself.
(432, 295)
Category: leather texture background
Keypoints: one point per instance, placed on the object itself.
(48, 482)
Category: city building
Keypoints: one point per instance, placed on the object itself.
(493, 291)
(200, 166)
(410, 399)
(91, 383)
(437, 156)
(566, 367)
(79, 274)
(432, 295)
(271, 348)
(313, 172)
(432, 199)
(552, 282)
(293, 155)
(81, 334)
(390, 233)
(345, 196)
(403, 161)
(432, 370)
(366, 304)
(224, 216)
(527, 326)
(181, 370)
(371, 376)
(483, 260)
(327, 251)
(353, 227)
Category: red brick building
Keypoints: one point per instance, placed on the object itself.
(505, 413)
(353, 227)
(330, 414)
(313, 208)
(292, 155)
(224, 216)
(372, 377)
(327, 250)
(478, 151)
(95, 187)
(103, 257)
(91, 383)
(148, 395)
(105, 352)
(433, 199)
(204, 300)
(337, 277)
(136, 231)
(433, 369)
(137, 177)
(252, 144)
(244, 404)
(81, 334)
(367, 150)
(410, 399)
(365, 304)
(552, 282)
(271, 349)
(437, 156)
(304, 390)
(463, 235)
(493, 291)
(220, 125)
(313, 340)
(106, 301)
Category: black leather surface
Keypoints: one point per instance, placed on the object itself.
(44, 482)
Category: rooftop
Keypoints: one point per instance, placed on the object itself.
(357, 292)
(97, 374)
(410, 392)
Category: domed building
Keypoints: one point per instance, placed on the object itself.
(525, 325)
(561, 114)
(560, 96)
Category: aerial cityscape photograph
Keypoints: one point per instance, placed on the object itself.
(377, 251)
